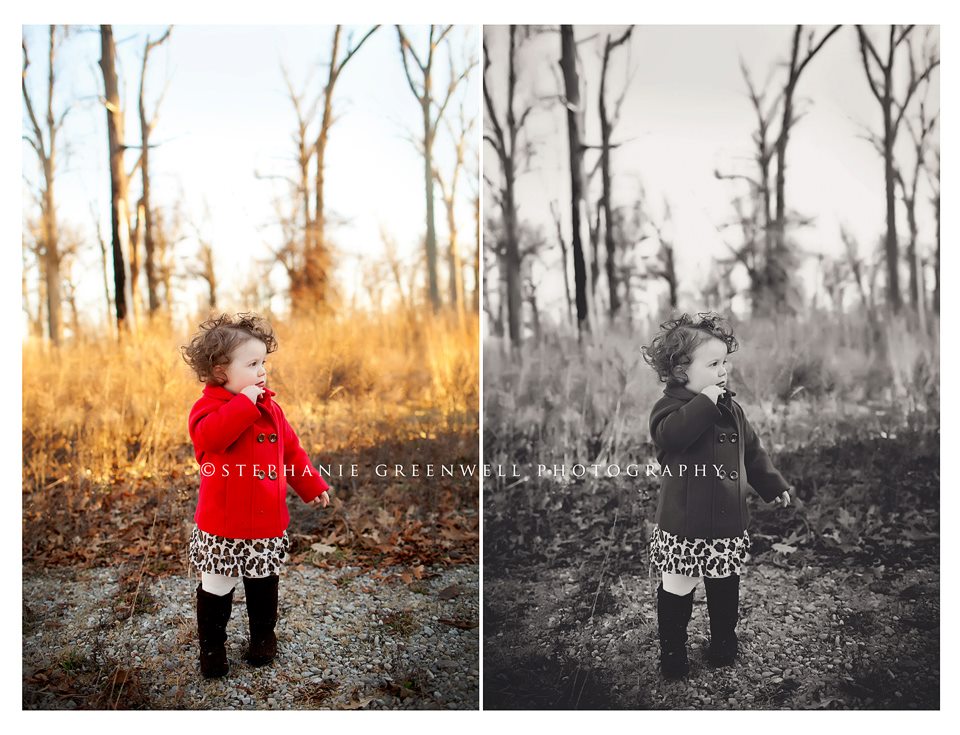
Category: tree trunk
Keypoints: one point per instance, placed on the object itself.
(476, 256)
(52, 255)
(428, 190)
(105, 267)
(891, 247)
(568, 64)
(936, 271)
(317, 253)
(146, 127)
(317, 257)
(605, 133)
(563, 260)
(454, 261)
(119, 214)
(512, 260)
(136, 248)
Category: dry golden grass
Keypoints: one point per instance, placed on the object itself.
(97, 410)
(108, 463)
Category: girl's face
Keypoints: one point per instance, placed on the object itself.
(708, 365)
(247, 366)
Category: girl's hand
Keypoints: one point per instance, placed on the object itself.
(784, 499)
(253, 392)
(323, 499)
(713, 392)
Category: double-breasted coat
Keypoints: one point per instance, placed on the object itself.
(247, 454)
(709, 457)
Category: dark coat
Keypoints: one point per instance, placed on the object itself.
(228, 430)
(692, 434)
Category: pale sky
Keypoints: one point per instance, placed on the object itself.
(227, 115)
(686, 114)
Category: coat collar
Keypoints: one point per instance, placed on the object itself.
(681, 392)
(218, 392)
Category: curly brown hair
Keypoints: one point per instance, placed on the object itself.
(671, 350)
(219, 337)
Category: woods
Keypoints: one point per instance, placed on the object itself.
(150, 275)
(767, 240)
(739, 172)
(274, 178)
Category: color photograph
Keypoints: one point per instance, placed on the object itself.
(251, 363)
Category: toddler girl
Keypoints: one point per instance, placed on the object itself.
(247, 452)
(708, 455)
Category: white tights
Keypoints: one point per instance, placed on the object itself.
(218, 584)
(679, 584)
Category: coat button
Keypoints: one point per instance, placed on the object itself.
(733, 438)
(273, 438)
(734, 474)
(261, 436)
(261, 474)
(722, 438)
(721, 474)
(273, 475)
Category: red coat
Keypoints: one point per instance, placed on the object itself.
(235, 443)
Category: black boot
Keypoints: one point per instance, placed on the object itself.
(213, 612)
(262, 612)
(723, 601)
(673, 615)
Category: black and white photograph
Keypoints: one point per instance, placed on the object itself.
(711, 367)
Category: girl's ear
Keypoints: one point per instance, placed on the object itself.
(219, 374)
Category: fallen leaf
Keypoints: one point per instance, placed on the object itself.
(784, 548)
(449, 592)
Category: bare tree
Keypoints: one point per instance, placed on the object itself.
(147, 124)
(607, 125)
(777, 274)
(204, 268)
(555, 212)
(449, 194)
(474, 185)
(663, 264)
(920, 138)
(119, 181)
(422, 89)
(70, 243)
(33, 255)
(317, 256)
(306, 282)
(494, 263)
(773, 260)
(396, 271)
(571, 80)
(46, 150)
(933, 174)
(503, 134)
(880, 77)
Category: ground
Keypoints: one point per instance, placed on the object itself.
(348, 639)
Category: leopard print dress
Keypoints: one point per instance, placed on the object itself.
(698, 557)
(238, 557)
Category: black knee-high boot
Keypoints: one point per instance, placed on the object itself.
(262, 598)
(723, 602)
(673, 616)
(213, 613)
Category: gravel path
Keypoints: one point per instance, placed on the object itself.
(346, 640)
(811, 638)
